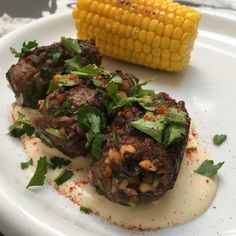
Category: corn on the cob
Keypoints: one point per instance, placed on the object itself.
(155, 33)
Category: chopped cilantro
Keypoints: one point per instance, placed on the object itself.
(96, 83)
(56, 57)
(117, 80)
(54, 132)
(26, 47)
(90, 70)
(51, 86)
(93, 121)
(47, 104)
(219, 139)
(86, 210)
(21, 126)
(64, 109)
(40, 173)
(58, 162)
(207, 168)
(73, 63)
(63, 177)
(44, 138)
(166, 129)
(25, 165)
(72, 45)
(100, 185)
(137, 91)
(155, 129)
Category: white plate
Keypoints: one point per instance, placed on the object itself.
(209, 88)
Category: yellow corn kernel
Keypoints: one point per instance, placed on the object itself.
(160, 28)
(137, 46)
(128, 31)
(155, 33)
(156, 41)
(150, 37)
(168, 30)
(177, 33)
(153, 25)
(142, 36)
(174, 45)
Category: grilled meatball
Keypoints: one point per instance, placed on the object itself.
(134, 167)
(58, 111)
(29, 78)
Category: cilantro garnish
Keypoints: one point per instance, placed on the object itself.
(63, 177)
(25, 165)
(166, 129)
(54, 132)
(137, 89)
(21, 126)
(86, 210)
(207, 168)
(73, 63)
(56, 57)
(40, 173)
(26, 47)
(71, 45)
(91, 70)
(58, 162)
(219, 139)
(93, 121)
(64, 109)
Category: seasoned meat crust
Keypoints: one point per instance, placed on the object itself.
(73, 140)
(135, 168)
(29, 78)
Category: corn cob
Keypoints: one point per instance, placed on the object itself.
(155, 33)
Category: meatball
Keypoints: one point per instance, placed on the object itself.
(135, 168)
(59, 111)
(30, 77)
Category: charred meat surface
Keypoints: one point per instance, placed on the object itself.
(136, 168)
(30, 77)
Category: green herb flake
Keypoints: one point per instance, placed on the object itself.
(155, 128)
(73, 64)
(40, 173)
(96, 83)
(25, 165)
(64, 176)
(21, 126)
(86, 210)
(54, 132)
(218, 139)
(59, 162)
(26, 47)
(207, 168)
(100, 185)
(97, 145)
(117, 80)
(64, 109)
(56, 57)
(72, 45)
(91, 70)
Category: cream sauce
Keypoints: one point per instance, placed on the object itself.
(190, 197)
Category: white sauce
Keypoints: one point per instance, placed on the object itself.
(190, 197)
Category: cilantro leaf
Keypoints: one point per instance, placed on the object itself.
(97, 145)
(174, 133)
(26, 47)
(207, 168)
(85, 112)
(71, 45)
(25, 165)
(219, 139)
(91, 70)
(64, 109)
(58, 162)
(64, 176)
(56, 57)
(44, 138)
(40, 173)
(117, 80)
(93, 121)
(54, 132)
(137, 91)
(96, 83)
(51, 86)
(154, 129)
(73, 64)
(85, 210)
(21, 126)
(176, 116)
